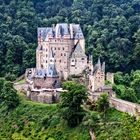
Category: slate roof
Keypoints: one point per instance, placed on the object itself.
(78, 52)
(40, 73)
(52, 72)
(61, 29)
(78, 34)
(43, 32)
(99, 66)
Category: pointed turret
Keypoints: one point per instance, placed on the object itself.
(90, 63)
(90, 59)
(99, 63)
(103, 67)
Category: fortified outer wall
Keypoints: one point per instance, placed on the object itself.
(120, 105)
(125, 106)
(43, 97)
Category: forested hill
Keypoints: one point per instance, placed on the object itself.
(111, 28)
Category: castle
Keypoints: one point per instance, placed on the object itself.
(60, 54)
(67, 44)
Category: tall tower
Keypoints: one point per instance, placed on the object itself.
(57, 45)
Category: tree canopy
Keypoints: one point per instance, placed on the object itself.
(8, 95)
(71, 101)
(111, 29)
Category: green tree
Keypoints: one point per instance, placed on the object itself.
(129, 95)
(71, 101)
(9, 95)
(136, 86)
(103, 103)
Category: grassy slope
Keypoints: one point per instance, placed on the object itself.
(35, 121)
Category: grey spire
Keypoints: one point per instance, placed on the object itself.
(99, 62)
(103, 67)
(91, 59)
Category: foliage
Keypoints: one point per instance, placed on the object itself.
(103, 103)
(111, 29)
(10, 77)
(8, 94)
(37, 121)
(41, 121)
(127, 86)
(71, 101)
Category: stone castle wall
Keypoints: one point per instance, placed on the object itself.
(44, 83)
(43, 97)
(80, 64)
(125, 106)
(62, 49)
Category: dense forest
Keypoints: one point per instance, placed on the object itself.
(111, 29)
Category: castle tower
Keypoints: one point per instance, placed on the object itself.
(61, 39)
(97, 79)
(99, 63)
(90, 63)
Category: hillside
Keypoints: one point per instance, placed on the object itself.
(111, 29)
(37, 121)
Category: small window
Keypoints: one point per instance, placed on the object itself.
(46, 55)
(83, 59)
(46, 61)
(54, 48)
(58, 48)
(60, 61)
(64, 54)
(72, 60)
(63, 48)
(61, 54)
(46, 50)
